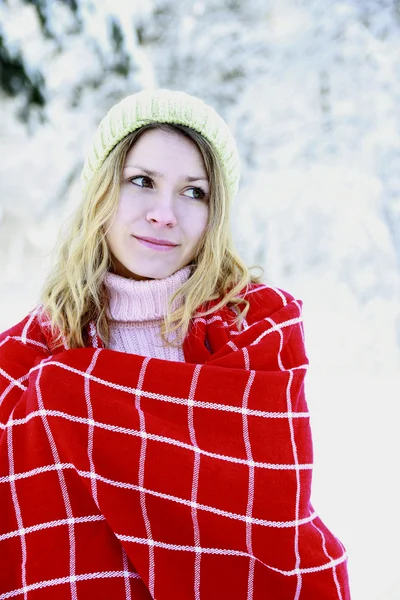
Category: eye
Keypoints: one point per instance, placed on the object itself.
(196, 193)
(142, 181)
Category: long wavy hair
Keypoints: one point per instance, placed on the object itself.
(74, 295)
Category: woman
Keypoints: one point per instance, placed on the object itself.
(155, 438)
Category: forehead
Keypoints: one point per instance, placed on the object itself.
(168, 148)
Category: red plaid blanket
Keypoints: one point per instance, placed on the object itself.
(128, 477)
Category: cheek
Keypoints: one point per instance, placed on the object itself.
(108, 228)
(122, 211)
(115, 227)
(130, 205)
(111, 235)
(122, 220)
(199, 222)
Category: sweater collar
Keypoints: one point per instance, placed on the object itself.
(145, 300)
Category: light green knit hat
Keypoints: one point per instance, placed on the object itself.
(163, 106)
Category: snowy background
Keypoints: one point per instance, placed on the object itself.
(311, 90)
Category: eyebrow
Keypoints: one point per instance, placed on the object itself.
(157, 174)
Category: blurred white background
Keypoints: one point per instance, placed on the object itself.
(311, 90)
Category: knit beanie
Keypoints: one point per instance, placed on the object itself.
(164, 106)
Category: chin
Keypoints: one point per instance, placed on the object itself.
(152, 272)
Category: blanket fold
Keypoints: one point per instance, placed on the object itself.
(128, 477)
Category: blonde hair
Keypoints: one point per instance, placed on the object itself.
(74, 295)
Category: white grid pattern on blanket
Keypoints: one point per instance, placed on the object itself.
(128, 595)
(62, 580)
(93, 481)
(250, 496)
(282, 325)
(39, 526)
(334, 574)
(229, 552)
(70, 521)
(17, 508)
(28, 324)
(142, 462)
(164, 397)
(93, 478)
(163, 439)
(196, 404)
(148, 491)
(295, 456)
(64, 489)
(13, 382)
(195, 506)
(195, 482)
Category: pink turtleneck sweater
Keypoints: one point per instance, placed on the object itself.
(136, 312)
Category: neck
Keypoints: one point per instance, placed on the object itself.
(145, 300)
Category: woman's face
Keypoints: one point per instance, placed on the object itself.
(163, 207)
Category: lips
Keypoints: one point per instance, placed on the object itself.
(156, 244)
(156, 241)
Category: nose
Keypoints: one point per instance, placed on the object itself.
(161, 213)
